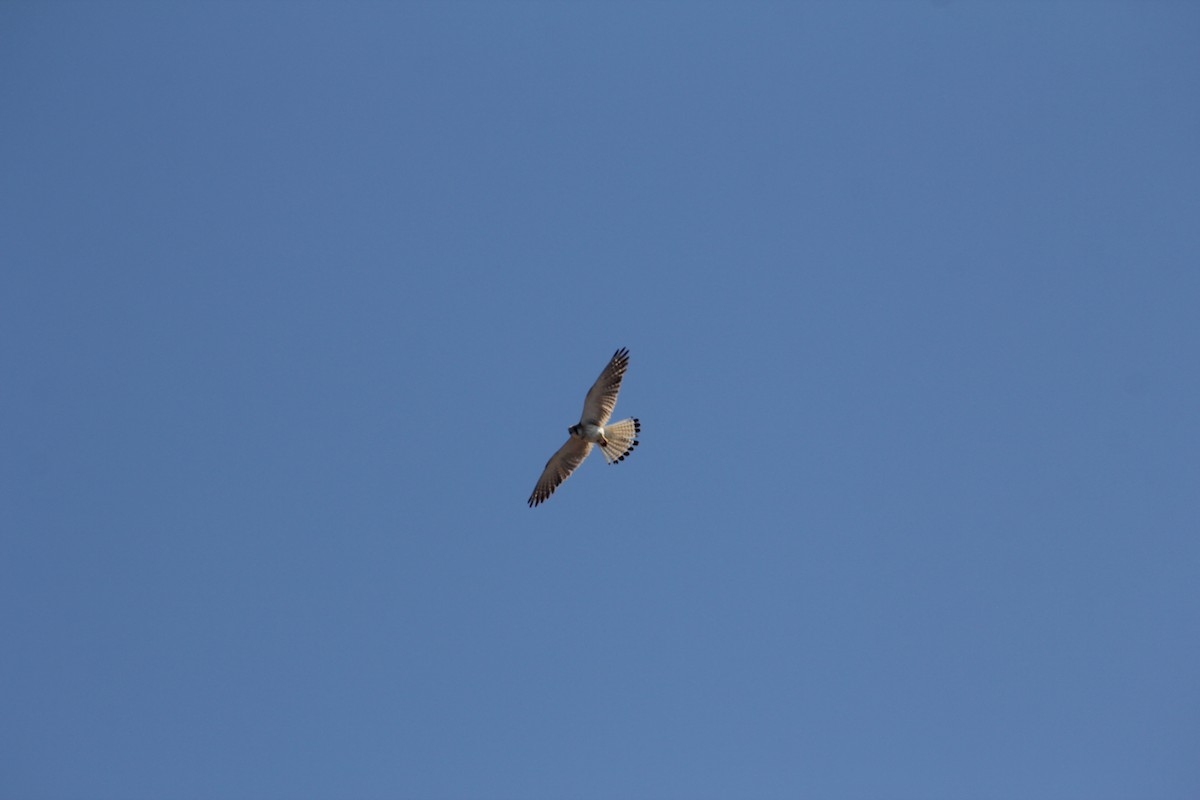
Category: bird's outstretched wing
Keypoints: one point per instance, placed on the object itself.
(598, 405)
(558, 468)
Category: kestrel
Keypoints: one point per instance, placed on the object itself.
(616, 440)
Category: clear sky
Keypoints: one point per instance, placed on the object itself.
(297, 299)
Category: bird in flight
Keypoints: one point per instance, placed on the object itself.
(616, 440)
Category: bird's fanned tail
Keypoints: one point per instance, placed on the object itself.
(622, 438)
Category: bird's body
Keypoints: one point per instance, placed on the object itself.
(589, 433)
(616, 440)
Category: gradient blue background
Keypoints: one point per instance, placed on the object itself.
(297, 299)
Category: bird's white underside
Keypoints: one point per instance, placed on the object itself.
(591, 433)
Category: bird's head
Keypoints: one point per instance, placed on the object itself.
(574, 430)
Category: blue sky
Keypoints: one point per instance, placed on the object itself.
(298, 298)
